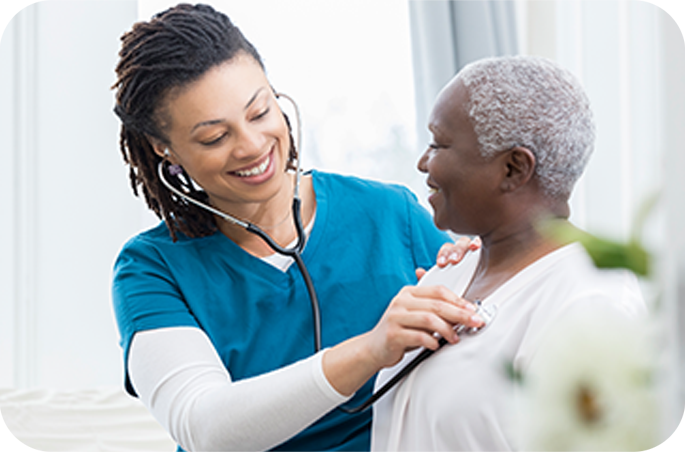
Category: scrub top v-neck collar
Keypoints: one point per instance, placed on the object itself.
(268, 271)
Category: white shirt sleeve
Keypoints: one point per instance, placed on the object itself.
(179, 377)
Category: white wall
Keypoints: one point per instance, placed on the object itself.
(66, 206)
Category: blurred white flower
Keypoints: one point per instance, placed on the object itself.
(591, 387)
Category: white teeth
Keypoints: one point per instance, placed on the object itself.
(257, 170)
(432, 190)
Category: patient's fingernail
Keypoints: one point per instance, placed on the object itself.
(454, 257)
(441, 260)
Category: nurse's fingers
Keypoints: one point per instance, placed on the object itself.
(422, 294)
(432, 309)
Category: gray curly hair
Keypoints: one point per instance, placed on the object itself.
(534, 103)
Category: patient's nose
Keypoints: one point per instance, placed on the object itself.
(423, 160)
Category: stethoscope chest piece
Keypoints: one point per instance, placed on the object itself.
(487, 313)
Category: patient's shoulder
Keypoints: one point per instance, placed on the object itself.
(455, 277)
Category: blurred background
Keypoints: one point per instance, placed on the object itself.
(365, 74)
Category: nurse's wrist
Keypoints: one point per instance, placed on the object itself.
(349, 365)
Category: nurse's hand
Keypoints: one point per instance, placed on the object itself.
(413, 318)
(453, 253)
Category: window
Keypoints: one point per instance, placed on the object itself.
(348, 66)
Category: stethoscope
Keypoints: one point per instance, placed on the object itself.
(295, 252)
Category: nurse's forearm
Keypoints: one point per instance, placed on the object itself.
(181, 379)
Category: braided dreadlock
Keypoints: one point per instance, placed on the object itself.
(173, 49)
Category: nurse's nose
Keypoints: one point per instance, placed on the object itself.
(250, 143)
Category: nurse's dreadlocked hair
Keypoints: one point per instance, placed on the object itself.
(174, 48)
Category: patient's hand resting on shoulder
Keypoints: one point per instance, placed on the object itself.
(453, 253)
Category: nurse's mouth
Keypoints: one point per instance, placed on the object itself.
(256, 170)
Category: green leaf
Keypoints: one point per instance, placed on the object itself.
(605, 253)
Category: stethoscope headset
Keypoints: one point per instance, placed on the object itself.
(295, 252)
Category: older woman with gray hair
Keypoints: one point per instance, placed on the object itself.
(511, 136)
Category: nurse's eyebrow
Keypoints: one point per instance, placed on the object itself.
(211, 122)
(253, 98)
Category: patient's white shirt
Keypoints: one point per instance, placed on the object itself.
(460, 398)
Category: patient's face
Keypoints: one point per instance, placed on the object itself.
(463, 183)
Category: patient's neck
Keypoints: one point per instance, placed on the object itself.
(505, 254)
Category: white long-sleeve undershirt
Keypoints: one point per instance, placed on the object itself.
(179, 377)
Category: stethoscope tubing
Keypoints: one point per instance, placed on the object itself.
(296, 253)
(388, 385)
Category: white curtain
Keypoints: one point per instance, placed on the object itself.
(447, 35)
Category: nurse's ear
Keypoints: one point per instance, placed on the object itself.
(162, 150)
(519, 164)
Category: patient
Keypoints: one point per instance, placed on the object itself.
(511, 136)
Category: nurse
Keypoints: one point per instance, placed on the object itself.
(216, 329)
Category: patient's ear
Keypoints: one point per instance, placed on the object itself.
(520, 168)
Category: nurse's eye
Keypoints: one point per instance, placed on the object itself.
(261, 115)
(214, 141)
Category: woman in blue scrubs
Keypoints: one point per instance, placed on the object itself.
(216, 329)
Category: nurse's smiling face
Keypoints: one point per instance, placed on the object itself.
(463, 183)
(228, 133)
